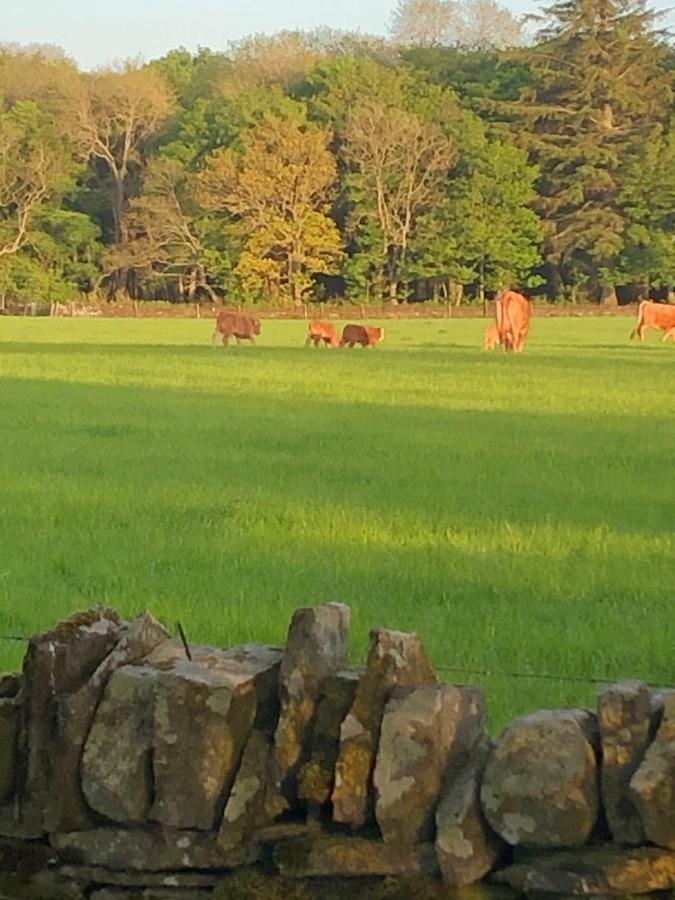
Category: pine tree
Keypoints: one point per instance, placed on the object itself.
(599, 93)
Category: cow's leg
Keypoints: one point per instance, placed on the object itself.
(214, 337)
(225, 341)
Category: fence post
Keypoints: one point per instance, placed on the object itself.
(199, 315)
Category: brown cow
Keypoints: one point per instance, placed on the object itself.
(491, 337)
(513, 319)
(236, 325)
(366, 335)
(654, 315)
(319, 333)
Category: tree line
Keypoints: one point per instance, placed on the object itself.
(452, 159)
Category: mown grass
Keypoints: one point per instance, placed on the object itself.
(517, 511)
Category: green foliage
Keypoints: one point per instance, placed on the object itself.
(445, 202)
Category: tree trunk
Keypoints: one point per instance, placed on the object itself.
(608, 295)
(118, 209)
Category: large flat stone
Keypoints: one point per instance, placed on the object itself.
(90, 875)
(540, 787)
(152, 893)
(204, 712)
(327, 855)
(395, 659)
(601, 870)
(653, 784)
(149, 849)
(66, 808)
(466, 847)
(427, 736)
(57, 662)
(315, 648)
(116, 770)
(625, 719)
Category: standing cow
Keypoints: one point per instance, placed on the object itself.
(654, 315)
(366, 335)
(513, 319)
(319, 333)
(230, 324)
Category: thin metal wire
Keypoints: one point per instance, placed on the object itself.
(486, 673)
(547, 676)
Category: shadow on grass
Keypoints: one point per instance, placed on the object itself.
(507, 539)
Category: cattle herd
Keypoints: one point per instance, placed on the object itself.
(509, 331)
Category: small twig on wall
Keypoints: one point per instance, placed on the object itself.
(184, 640)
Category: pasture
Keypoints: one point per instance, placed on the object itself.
(517, 511)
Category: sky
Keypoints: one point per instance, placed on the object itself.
(98, 32)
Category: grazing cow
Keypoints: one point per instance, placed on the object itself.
(230, 324)
(513, 320)
(654, 315)
(491, 338)
(319, 333)
(366, 335)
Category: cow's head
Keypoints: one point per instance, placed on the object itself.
(376, 335)
(256, 326)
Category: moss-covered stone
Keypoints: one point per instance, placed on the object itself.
(317, 775)
(323, 855)
(599, 870)
(395, 659)
(428, 734)
(653, 785)
(540, 786)
(625, 720)
(316, 647)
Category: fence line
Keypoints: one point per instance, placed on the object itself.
(487, 673)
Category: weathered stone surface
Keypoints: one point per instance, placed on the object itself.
(10, 684)
(395, 658)
(466, 847)
(624, 716)
(116, 770)
(25, 856)
(180, 893)
(245, 806)
(316, 647)
(66, 809)
(426, 737)
(600, 870)
(204, 712)
(540, 786)
(9, 726)
(47, 884)
(317, 775)
(150, 849)
(88, 875)
(653, 784)
(56, 662)
(327, 855)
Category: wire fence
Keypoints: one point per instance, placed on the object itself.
(489, 673)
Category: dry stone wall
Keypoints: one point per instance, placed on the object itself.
(132, 767)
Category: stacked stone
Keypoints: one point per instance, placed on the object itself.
(128, 761)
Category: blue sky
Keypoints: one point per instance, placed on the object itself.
(96, 32)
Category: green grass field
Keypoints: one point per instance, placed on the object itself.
(517, 511)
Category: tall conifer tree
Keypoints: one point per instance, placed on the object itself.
(599, 93)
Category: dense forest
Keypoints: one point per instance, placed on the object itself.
(455, 157)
